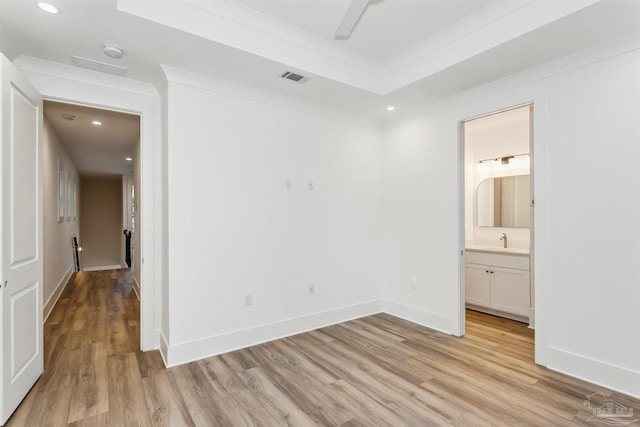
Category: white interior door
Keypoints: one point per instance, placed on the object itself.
(21, 236)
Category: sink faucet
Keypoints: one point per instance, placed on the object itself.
(504, 237)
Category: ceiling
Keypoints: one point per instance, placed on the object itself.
(406, 53)
(401, 52)
(96, 150)
(376, 36)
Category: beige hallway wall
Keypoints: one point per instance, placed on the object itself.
(101, 222)
(58, 253)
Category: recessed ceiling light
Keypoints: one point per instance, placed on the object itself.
(128, 159)
(97, 122)
(48, 7)
(390, 108)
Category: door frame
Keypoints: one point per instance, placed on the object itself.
(110, 93)
(534, 95)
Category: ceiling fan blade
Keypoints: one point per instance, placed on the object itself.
(351, 17)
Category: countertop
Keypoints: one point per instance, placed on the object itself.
(498, 250)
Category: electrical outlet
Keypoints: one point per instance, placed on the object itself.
(312, 289)
(248, 299)
(310, 183)
(414, 282)
(288, 184)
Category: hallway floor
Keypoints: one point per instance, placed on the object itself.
(374, 371)
(92, 363)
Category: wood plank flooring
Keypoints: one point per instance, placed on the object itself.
(375, 371)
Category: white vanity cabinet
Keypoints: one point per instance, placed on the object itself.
(478, 284)
(498, 283)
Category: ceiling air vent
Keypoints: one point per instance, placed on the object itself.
(90, 64)
(293, 77)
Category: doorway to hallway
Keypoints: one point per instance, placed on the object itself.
(98, 151)
(92, 156)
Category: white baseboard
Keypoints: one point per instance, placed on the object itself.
(55, 295)
(420, 316)
(136, 287)
(103, 267)
(594, 371)
(194, 350)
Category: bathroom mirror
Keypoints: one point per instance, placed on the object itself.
(503, 202)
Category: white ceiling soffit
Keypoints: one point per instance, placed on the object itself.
(232, 24)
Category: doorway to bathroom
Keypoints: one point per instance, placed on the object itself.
(498, 220)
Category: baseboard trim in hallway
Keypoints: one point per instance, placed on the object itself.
(53, 299)
(103, 267)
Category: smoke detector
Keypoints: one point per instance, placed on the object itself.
(69, 117)
(113, 51)
(288, 75)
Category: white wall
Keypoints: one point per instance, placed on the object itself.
(58, 253)
(587, 232)
(165, 331)
(236, 229)
(593, 169)
(421, 219)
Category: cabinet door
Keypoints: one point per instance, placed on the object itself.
(478, 285)
(511, 291)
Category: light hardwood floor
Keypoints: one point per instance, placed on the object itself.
(375, 371)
